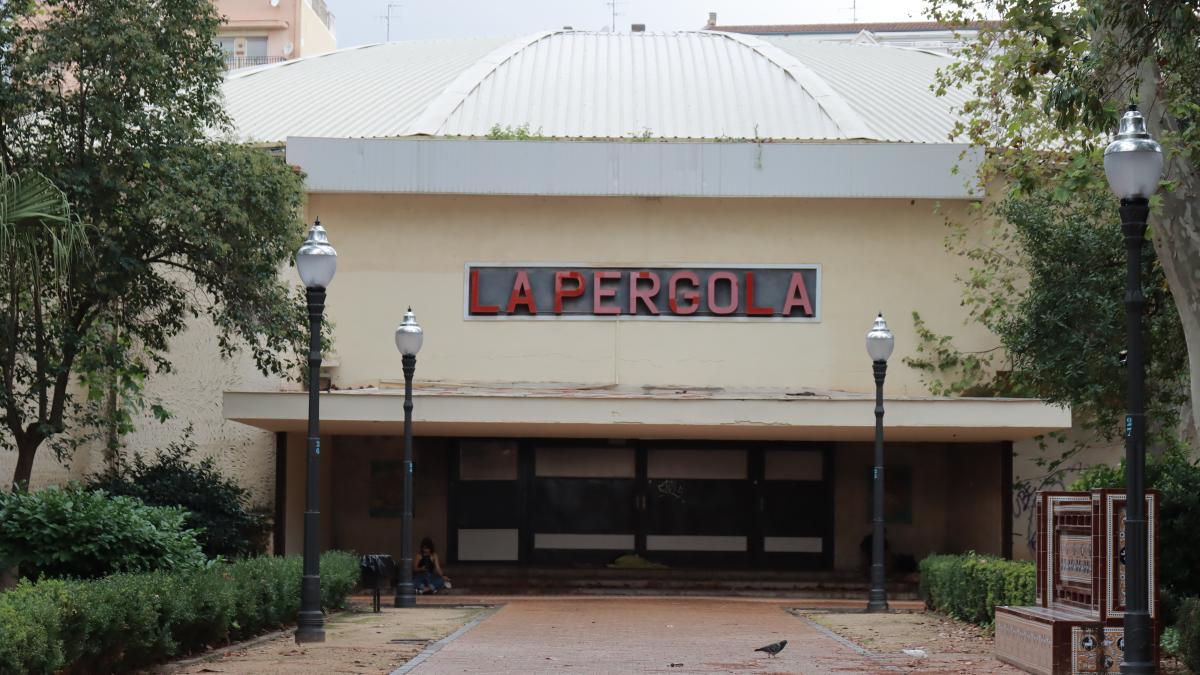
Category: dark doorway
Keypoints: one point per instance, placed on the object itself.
(679, 503)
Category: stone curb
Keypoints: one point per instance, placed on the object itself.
(217, 653)
(855, 647)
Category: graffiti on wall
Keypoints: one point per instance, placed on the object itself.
(1025, 497)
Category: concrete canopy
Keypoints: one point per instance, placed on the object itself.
(678, 413)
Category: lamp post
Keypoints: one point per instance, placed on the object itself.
(880, 344)
(408, 340)
(1133, 163)
(316, 261)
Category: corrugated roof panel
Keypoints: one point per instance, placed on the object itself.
(575, 84)
(613, 85)
(889, 87)
(371, 91)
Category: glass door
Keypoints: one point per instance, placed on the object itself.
(582, 503)
(698, 506)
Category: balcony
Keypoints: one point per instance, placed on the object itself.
(234, 62)
(322, 12)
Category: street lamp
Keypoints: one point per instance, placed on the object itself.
(880, 344)
(408, 340)
(316, 261)
(1133, 163)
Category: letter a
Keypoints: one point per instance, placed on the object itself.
(797, 296)
(522, 294)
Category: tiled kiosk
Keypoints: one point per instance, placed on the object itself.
(1076, 626)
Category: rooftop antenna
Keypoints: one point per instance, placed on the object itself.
(612, 5)
(387, 18)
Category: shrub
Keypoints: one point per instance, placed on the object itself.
(265, 591)
(217, 506)
(31, 627)
(1177, 478)
(1188, 627)
(971, 586)
(339, 576)
(128, 621)
(74, 532)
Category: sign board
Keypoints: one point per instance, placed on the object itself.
(699, 292)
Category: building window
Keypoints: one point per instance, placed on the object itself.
(242, 51)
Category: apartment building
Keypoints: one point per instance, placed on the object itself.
(259, 32)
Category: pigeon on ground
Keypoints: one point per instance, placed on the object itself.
(773, 648)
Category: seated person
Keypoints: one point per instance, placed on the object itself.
(427, 570)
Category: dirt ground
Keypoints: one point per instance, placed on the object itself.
(946, 641)
(947, 645)
(892, 633)
(356, 641)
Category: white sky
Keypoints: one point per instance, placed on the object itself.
(362, 21)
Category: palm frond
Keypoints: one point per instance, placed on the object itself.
(35, 220)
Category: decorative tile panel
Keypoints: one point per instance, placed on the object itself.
(1096, 650)
(1075, 559)
(1114, 563)
(1028, 645)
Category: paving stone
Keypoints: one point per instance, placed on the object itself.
(648, 635)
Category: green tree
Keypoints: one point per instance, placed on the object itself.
(118, 103)
(1045, 85)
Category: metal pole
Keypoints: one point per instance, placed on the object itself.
(1138, 630)
(405, 597)
(877, 597)
(311, 624)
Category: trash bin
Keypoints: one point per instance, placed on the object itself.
(377, 570)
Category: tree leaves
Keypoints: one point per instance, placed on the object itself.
(117, 103)
(1047, 277)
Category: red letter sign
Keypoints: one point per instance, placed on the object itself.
(522, 294)
(477, 308)
(646, 295)
(692, 297)
(560, 292)
(751, 308)
(712, 293)
(797, 296)
(600, 294)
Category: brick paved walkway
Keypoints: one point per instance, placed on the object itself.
(648, 635)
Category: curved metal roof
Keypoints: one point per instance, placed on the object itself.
(698, 85)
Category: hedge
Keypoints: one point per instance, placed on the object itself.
(127, 621)
(971, 586)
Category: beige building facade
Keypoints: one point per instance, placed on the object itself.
(665, 426)
(645, 265)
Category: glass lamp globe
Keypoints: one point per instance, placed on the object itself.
(1133, 162)
(880, 341)
(409, 335)
(316, 260)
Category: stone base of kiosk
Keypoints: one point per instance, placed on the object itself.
(1077, 626)
(1057, 641)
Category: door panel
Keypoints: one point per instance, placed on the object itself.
(488, 505)
(698, 506)
(582, 504)
(795, 510)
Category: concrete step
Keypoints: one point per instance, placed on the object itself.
(823, 594)
(612, 581)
